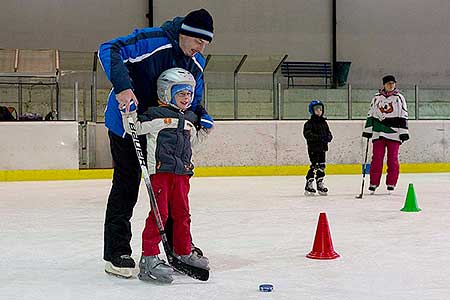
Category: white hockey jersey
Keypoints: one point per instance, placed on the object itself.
(387, 117)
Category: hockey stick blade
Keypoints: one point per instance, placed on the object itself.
(191, 271)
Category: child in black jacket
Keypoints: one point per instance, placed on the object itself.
(317, 135)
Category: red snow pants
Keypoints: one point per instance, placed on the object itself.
(376, 166)
(170, 190)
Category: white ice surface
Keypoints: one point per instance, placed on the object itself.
(253, 229)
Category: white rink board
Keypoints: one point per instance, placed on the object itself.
(253, 229)
(269, 143)
(39, 145)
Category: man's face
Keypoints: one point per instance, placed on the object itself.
(191, 45)
(389, 86)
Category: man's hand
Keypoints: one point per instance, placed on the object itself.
(124, 98)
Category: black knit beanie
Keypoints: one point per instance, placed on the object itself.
(388, 78)
(198, 23)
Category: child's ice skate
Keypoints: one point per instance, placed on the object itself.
(321, 188)
(152, 268)
(309, 189)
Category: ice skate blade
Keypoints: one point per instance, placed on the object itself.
(155, 280)
(125, 273)
(309, 194)
(323, 193)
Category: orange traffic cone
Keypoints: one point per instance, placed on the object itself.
(323, 246)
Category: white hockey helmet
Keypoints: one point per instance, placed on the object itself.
(168, 79)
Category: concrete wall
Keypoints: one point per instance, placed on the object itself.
(300, 28)
(68, 25)
(410, 38)
(255, 143)
(39, 145)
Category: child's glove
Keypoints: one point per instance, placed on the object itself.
(206, 121)
(133, 108)
(404, 137)
(325, 138)
(367, 135)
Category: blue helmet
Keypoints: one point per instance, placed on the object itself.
(314, 103)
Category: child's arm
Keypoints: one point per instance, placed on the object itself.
(308, 133)
(329, 135)
(197, 136)
(143, 123)
(403, 117)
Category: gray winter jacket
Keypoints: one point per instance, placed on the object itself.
(170, 137)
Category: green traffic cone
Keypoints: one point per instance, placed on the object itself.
(411, 201)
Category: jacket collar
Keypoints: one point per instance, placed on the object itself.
(388, 94)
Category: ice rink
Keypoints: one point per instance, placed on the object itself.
(253, 229)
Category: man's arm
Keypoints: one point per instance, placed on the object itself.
(131, 48)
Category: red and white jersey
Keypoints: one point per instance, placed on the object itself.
(387, 116)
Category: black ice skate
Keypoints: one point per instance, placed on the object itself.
(321, 188)
(309, 189)
(121, 266)
(372, 189)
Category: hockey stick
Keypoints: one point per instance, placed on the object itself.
(194, 272)
(364, 172)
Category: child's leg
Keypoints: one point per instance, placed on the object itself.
(168, 228)
(179, 205)
(376, 166)
(312, 167)
(392, 162)
(150, 236)
(320, 165)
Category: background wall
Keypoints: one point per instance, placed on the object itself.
(300, 28)
(410, 38)
(67, 24)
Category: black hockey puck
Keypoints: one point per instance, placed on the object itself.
(266, 287)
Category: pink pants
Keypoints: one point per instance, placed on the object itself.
(170, 190)
(376, 166)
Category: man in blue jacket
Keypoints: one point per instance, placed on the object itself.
(133, 64)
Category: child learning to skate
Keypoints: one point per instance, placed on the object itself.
(317, 135)
(171, 130)
(387, 126)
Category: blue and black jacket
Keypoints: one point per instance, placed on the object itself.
(135, 62)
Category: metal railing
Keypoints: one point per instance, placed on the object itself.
(237, 87)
